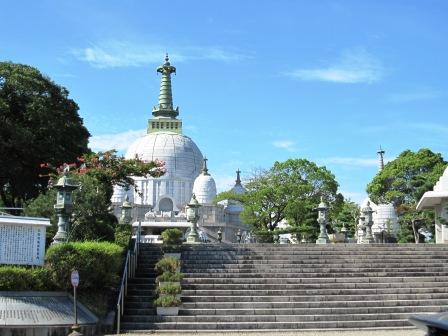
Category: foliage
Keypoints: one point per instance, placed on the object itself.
(98, 264)
(17, 278)
(289, 190)
(96, 174)
(167, 301)
(167, 264)
(403, 182)
(348, 217)
(170, 277)
(169, 289)
(91, 218)
(407, 178)
(38, 123)
(123, 235)
(43, 206)
(172, 236)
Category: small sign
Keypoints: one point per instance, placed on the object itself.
(75, 278)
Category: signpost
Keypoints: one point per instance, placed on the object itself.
(74, 278)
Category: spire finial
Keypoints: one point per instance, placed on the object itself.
(381, 153)
(238, 178)
(204, 167)
(165, 107)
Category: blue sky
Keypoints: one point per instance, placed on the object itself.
(257, 81)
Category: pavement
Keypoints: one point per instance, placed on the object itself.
(364, 332)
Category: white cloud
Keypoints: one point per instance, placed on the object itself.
(353, 66)
(285, 144)
(119, 141)
(116, 53)
(417, 95)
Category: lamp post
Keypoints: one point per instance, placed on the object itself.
(126, 209)
(238, 236)
(219, 235)
(322, 220)
(367, 213)
(64, 204)
(193, 217)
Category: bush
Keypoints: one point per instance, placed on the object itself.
(264, 236)
(98, 263)
(167, 264)
(167, 301)
(172, 236)
(24, 278)
(169, 289)
(169, 277)
(122, 235)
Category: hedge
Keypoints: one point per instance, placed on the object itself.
(18, 278)
(98, 263)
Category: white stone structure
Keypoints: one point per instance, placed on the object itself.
(159, 203)
(22, 240)
(205, 186)
(385, 221)
(437, 199)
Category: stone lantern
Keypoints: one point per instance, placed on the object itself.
(344, 231)
(126, 209)
(219, 235)
(193, 217)
(367, 213)
(64, 205)
(322, 220)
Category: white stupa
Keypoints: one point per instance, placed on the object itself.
(204, 186)
(165, 142)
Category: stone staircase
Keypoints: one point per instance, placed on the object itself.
(281, 287)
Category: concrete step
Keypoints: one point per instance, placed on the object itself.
(313, 304)
(267, 318)
(310, 311)
(278, 326)
(311, 286)
(311, 280)
(320, 291)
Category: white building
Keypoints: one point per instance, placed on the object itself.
(160, 202)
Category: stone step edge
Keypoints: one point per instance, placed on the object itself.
(254, 331)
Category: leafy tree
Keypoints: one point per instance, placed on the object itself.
(38, 123)
(403, 182)
(289, 190)
(347, 216)
(96, 175)
(407, 178)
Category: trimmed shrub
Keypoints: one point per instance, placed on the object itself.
(17, 278)
(167, 301)
(169, 289)
(122, 235)
(172, 236)
(167, 264)
(169, 277)
(98, 263)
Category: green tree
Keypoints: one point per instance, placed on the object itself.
(289, 190)
(38, 123)
(96, 175)
(347, 216)
(403, 182)
(407, 178)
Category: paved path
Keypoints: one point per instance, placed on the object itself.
(390, 332)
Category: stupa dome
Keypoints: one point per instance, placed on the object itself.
(183, 159)
(204, 186)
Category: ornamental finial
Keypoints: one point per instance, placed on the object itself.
(204, 167)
